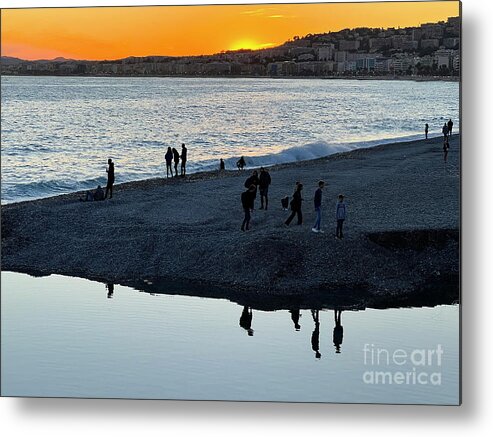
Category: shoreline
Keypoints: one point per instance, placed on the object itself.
(389, 78)
(188, 230)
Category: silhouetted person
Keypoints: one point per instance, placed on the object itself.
(445, 131)
(253, 180)
(241, 163)
(99, 194)
(450, 125)
(295, 317)
(316, 334)
(183, 159)
(296, 206)
(221, 165)
(111, 179)
(247, 199)
(169, 159)
(90, 196)
(340, 216)
(111, 288)
(317, 201)
(263, 185)
(338, 331)
(426, 130)
(446, 146)
(246, 320)
(176, 159)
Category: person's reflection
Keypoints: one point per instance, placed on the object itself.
(110, 287)
(246, 320)
(295, 317)
(338, 331)
(316, 334)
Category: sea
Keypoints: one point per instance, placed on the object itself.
(71, 337)
(57, 133)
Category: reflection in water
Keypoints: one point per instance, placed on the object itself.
(111, 288)
(316, 334)
(338, 331)
(213, 359)
(295, 317)
(246, 320)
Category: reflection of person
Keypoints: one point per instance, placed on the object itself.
(246, 320)
(316, 334)
(445, 149)
(111, 288)
(295, 317)
(338, 331)
(111, 179)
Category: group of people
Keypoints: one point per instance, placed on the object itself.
(337, 335)
(263, 182)
(98, 194)
(172, 156)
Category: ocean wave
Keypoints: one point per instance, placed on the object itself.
(19, 191)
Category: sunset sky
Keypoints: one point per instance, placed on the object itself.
(118, 32)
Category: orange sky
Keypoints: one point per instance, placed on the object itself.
(118, 32)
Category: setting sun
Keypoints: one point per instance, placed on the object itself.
(248, 44)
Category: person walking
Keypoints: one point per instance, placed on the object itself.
(426, 131)
(253, 180)
(264, 182)
(296, 206)
(176, 159)
(317, 200)
(450, 125)
(111, 179)
(169, 159)
(183, 159)
(241, 163)
(247, 198)
(340, 216)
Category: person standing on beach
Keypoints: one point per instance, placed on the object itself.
(176, 158)
(317, 200)
(247, 198)
(221, 165)
(111, 179)
(450, 125)
(340, 216)
(426, 131)
(169, 159)
(241, 163)
(253, 180)
(445, 132)
(264, 182)
(296, 206)
(183, 159)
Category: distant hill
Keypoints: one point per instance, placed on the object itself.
(8, 60)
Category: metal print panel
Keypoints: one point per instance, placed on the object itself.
(256, 202)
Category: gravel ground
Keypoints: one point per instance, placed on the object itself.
(189, 229)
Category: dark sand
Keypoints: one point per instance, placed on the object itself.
(401, 235)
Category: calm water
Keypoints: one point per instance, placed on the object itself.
(58, 132)
(65, 337)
